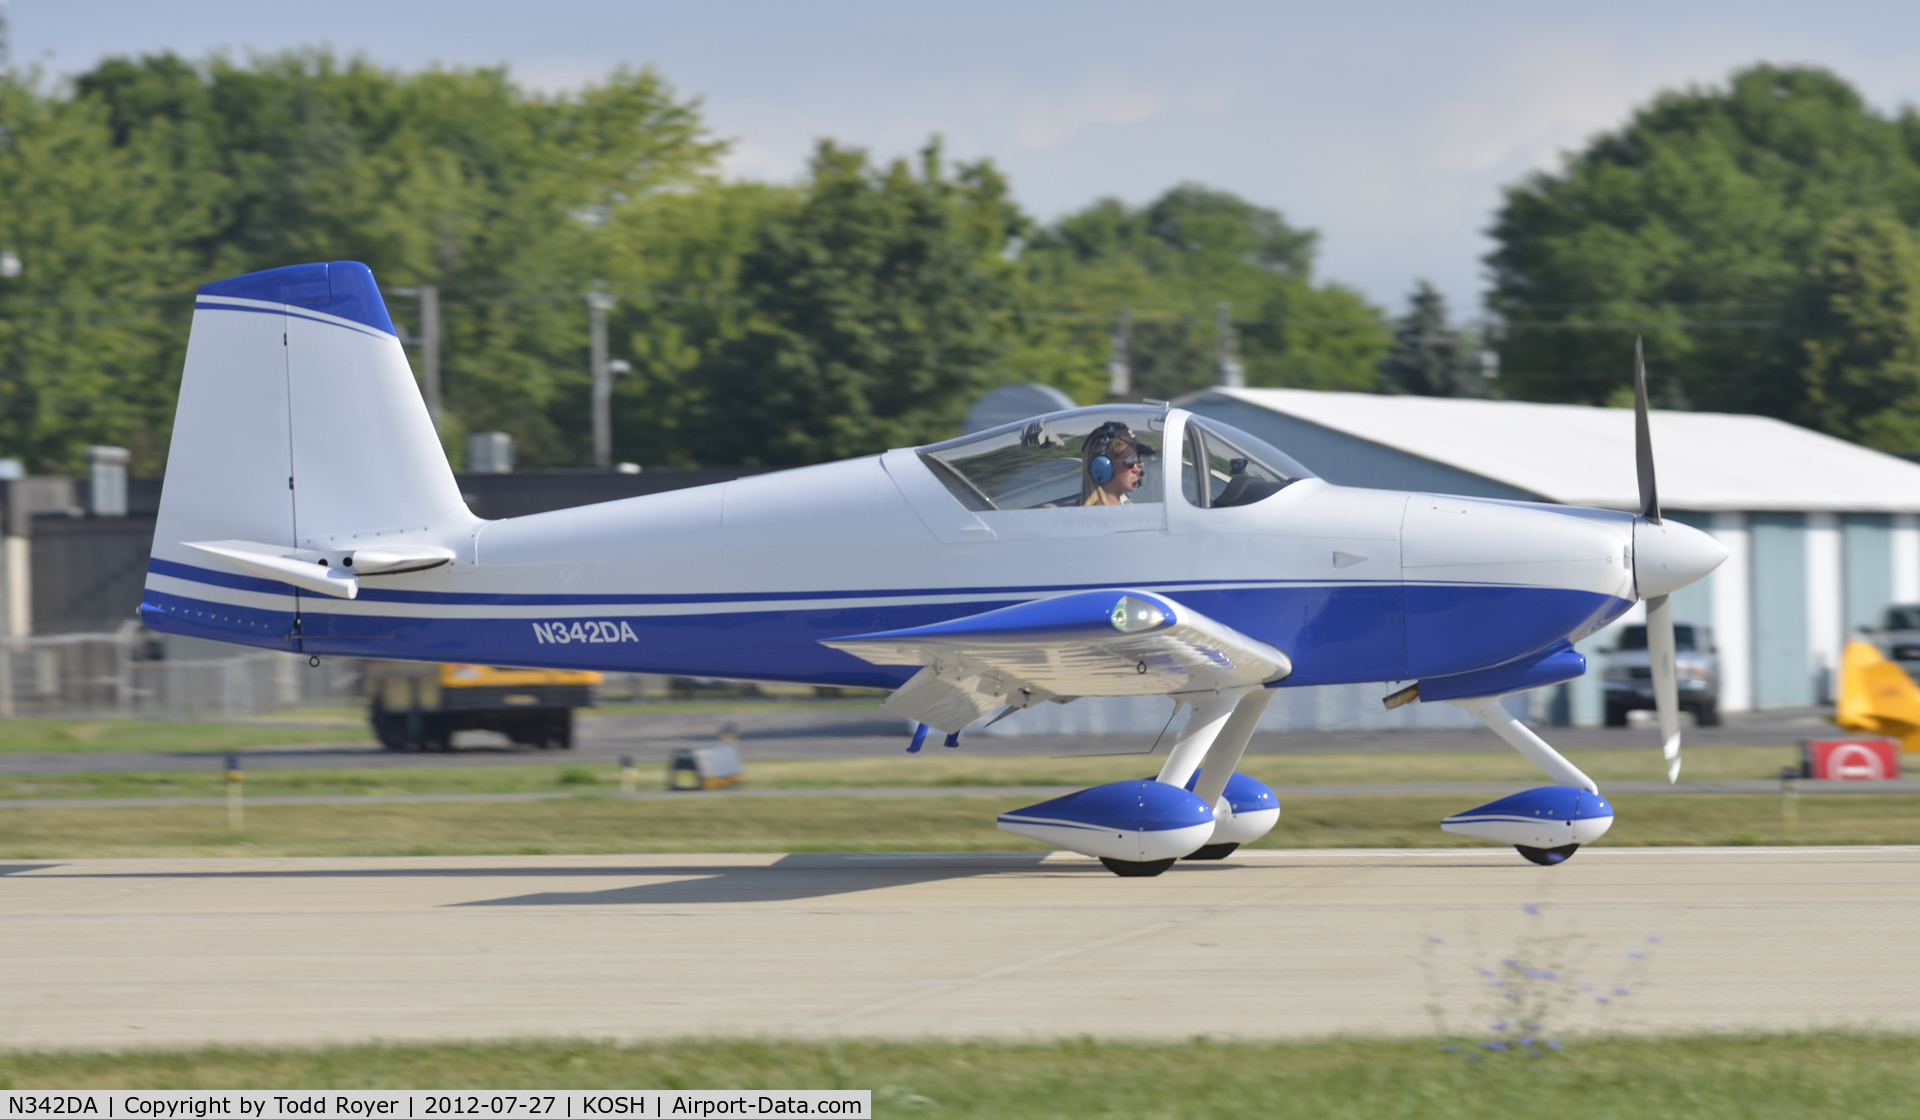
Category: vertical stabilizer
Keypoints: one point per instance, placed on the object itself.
(299, 426)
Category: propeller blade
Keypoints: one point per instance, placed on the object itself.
(1666, 688)
(1643, 440)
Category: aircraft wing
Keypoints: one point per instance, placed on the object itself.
(1086, 643)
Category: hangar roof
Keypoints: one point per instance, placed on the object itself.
(1580, 455)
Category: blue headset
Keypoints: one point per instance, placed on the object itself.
(1100, 468)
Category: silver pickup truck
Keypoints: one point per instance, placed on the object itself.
(1629, 675)
(1898, 636)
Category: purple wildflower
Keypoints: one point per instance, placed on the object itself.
(1449, 1049)
(1496, 1044)
(1530, 907)
(1621, 992)
(1637, 955)
(1553, 1044)
(1601, 999)
(1525, 1040)
(1499, 1026)
(1654, 937)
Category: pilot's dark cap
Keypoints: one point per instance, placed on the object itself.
(1115, 430)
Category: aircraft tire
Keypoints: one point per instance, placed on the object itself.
(1548, 857)
(1211, 851)
(391, 729)
(560, 729)
(436, 733)
(1136, 869)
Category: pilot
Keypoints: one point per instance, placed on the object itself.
(1112, 465)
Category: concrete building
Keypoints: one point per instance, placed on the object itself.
(1822, 534)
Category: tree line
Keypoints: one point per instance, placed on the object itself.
(1761, 235)
(863, 307)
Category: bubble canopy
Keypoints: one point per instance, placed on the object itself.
(1047, 462)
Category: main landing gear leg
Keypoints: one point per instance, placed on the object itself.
(1223, 758)
(1488, 710)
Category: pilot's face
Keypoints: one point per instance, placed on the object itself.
(1127, 468)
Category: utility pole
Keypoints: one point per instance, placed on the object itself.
(1120, 361)
(598, 304)
(429, 341)
(430, 350)
(1228, 373)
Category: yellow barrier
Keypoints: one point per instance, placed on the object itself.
(1877, 695)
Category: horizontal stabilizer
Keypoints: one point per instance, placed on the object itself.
(278, 562)
(1087, 643)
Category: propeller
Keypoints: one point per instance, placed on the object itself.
(1660, 642)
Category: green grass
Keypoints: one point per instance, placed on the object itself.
(894, 769)
(717, 823)
(27, 735)
(1703, 1077)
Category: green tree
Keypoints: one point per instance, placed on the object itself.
(92, 326)
(872, 308)
(1429, 357)
(675, 264)
(1858, 318)
(1169, 265)
(160, 174)
(1694, 225)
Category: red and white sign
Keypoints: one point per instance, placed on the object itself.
(1853, 760)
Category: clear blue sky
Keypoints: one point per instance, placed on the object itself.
(1388, 126)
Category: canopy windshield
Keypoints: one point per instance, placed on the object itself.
(1223, 466)
(1054, 460)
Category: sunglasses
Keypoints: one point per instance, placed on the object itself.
(1127, 463)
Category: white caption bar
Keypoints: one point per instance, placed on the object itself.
(374, 1104)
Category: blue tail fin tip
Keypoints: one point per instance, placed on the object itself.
(343, 288)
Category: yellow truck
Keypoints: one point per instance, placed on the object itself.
(419, 705)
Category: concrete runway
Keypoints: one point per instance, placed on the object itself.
(116, 953)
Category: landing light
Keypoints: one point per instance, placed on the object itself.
(1131, 614)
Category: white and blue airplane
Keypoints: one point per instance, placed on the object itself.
(1120, 550)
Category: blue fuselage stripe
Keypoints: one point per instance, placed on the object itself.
(1357, 632)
